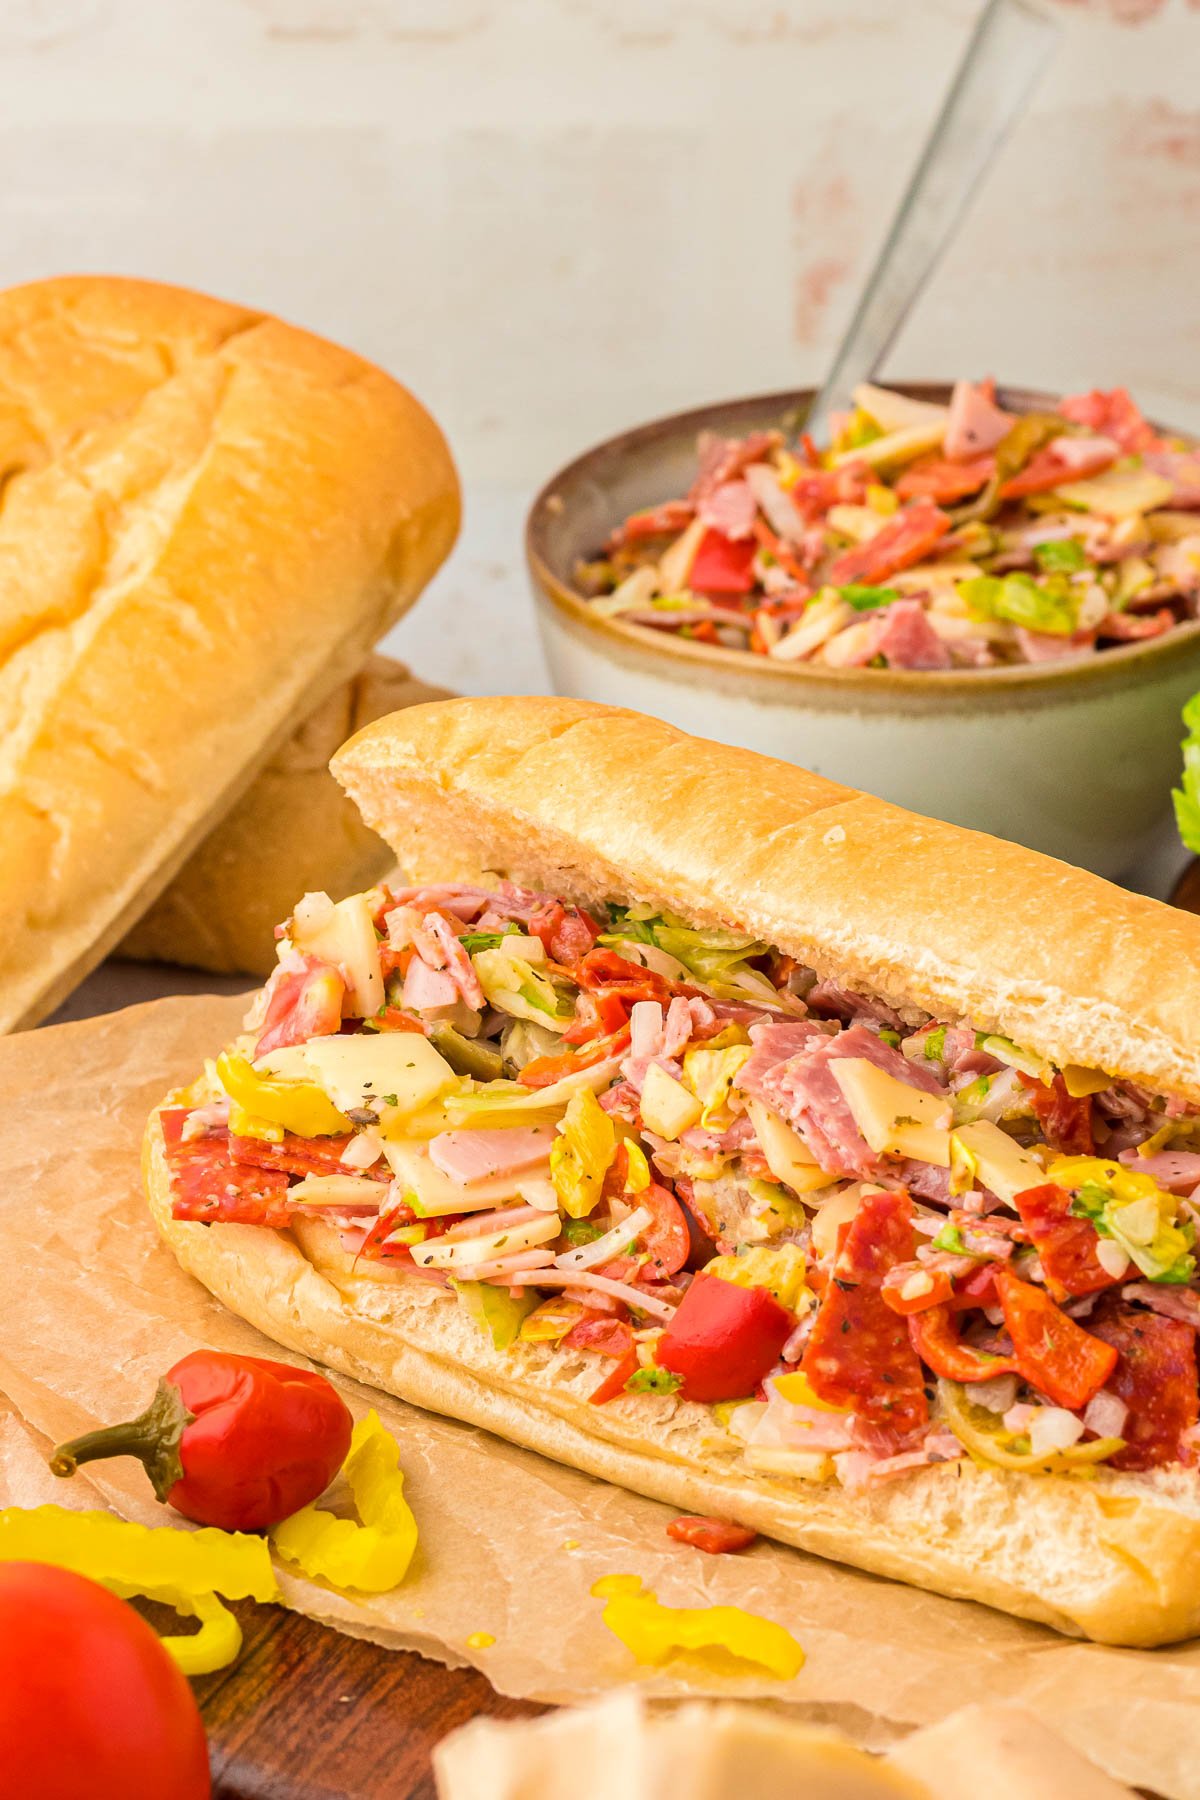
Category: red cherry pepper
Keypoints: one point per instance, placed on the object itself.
(233, 1441)
(723, 565)
(723, 1339)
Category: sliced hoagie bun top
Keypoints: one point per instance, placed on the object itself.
(603, 803)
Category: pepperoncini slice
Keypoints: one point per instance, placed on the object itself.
(299, 1106)
(182, 1569)
(374, 1555)
(653, 1632)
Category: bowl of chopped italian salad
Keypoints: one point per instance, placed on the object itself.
(981, 603)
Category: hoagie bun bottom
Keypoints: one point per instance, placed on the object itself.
(1114, 1558)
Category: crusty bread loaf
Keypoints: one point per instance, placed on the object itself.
(597, 802)
(208, 518)
(1113, 1558)
(292, 832)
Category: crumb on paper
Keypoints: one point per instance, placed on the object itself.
(571, 1544)
(835, 835)
(480, 1640)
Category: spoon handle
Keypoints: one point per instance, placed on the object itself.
(1008, 47)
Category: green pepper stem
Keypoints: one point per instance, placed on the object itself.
(154, 1437)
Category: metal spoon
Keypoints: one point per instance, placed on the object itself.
(1008, 48)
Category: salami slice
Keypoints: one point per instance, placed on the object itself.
(1155, 1376)
(904, 540)
(1054, 1354)
(208, 1186)
(299, 1155)
(1066, 1246)
(1066, 1124)
(859, 1355)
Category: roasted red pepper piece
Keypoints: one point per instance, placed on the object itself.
(903, 541)
(1156, 1378)
(934, 1288)
(234, 1441)
(722, 565)
(544, 1071)
(1066, 1123)
(714, 1536)
(608, 971)
(935, 1336)
(859, 1355)
(724, 1339)
(1054, 1354)
(937, 478)
(1066, 1246)
(666, 1240)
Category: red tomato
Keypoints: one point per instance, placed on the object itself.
(711, 1535)
(1052, 1352)
(723, 566)
(724, 1339)
(1066, 1124)
(91, 1705)
(934, 1336)
(306, 1003)
(666, 1239)
(903, 541)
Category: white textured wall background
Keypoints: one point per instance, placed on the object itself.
(554, 217)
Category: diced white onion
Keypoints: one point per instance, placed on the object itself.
(1053, 1428)
(613, 1243)
(1105, 1414)
(459, 1253)
(363, 1151)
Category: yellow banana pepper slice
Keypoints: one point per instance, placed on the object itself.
(370, 1557)
(299, 1106)
(182, 1569)
(653, 1631)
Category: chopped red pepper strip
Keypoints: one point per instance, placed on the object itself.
(1066, 1246)
(1053, 1353)
(716, 1537)
(936, 1337)
(1066, 1123)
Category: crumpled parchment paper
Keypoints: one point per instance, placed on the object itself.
(93, 1309)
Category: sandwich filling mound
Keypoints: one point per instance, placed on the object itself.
(868, 1243)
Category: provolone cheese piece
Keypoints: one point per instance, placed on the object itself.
(999, 1164)
(337, 1190)
(668, 1108)
(435, 1193)
(893, 411)
(788, 1157)
(464, 1252)
(343, 935)
(895, 1119)
(392, 1072)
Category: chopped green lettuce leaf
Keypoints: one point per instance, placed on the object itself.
(1061, 555)
(865, 599)
(1187, 795)
(1020, 600)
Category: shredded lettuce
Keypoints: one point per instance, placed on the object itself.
(1143, 1226)
(1020, 600)
(1187, 795)
(718, 960)
(653, 1381)
(951, 1238)
(865, 599)
(472, 941)
(710, 1074)
(515, 987)
(935, 1044)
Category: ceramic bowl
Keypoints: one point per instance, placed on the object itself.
(1075, 759)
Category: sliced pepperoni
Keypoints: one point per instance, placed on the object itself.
(858, 1354)
(1066, 1246)
(607, 1337)
(1054, 1354)
(937, 478)
(1155, 1376)
(298, 1155)
(1066, 1123)
(209, 1187)
(905, 540)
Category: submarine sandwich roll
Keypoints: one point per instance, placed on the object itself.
(741, 1139)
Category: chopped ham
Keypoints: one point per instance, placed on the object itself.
(858, 1469)
(1172, 1302)
(832, 1001)
(1182, 469)
(902, 635)
(426, 988)
(1178, 1170)
(467, 1156)
(802, 1088)
(455, 960)
(975, 423)
(772, 1045)
(1115, 414)
(1045, 646)
(1084, 455)
(730, 509)
(721, 459)
(505, 1218)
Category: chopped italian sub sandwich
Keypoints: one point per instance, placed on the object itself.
(739, 1138)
